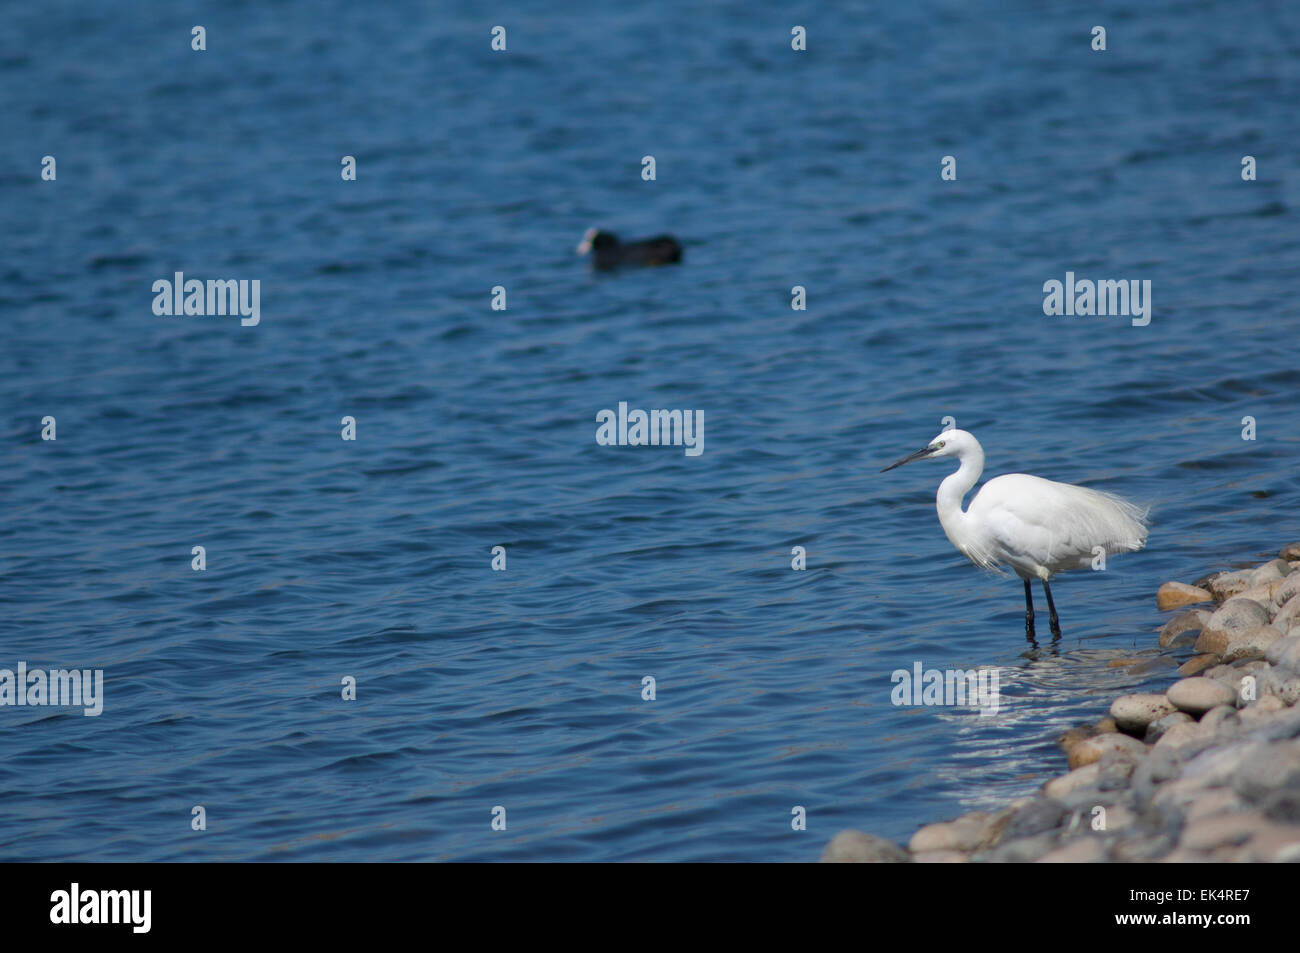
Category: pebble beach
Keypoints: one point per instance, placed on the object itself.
(1207, 771)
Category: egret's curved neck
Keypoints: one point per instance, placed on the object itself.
(953, 489)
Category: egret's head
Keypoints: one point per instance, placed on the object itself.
(950, 443)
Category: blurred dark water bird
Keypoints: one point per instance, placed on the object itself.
(608, 252)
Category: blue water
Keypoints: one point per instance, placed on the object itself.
(475, 428)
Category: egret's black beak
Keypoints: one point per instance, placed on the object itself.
(918, 455)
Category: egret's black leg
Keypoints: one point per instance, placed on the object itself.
(1051, 608)
(1029, 612)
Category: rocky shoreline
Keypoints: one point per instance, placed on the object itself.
(1207, 771)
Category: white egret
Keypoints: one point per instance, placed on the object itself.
(1037, 527)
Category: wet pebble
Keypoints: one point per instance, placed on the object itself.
(1252, 643)
(1288, 616)
(1288, 590)
(1216, 767)
(1198, 664)
(1272, 571)
(1188, 621)
(1261, 593)
(1038, 816)
(1265, 706)
(1198, 695)
(1282, 806)
(1225, 585)
(1221, 719)
(1106, 724)
(940, 857)
(1156, 729)
(1273, 843)
(1215, 801)
(1022, 851)
(1285, 652)
(964, 834)
(1221, 830)
(1173, 595)
(1093, 749)
(1083, 850)
(1132, 713)
(1269, 767)
(857, 847)
(1281, 684)
(1184, 740)
(1086, 776)
(1234, 617)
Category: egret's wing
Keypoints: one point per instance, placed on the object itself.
(1053, 522)
(983, 552)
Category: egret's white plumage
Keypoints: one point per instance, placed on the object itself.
(1036, 527)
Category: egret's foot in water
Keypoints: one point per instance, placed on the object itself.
(1029, 614)
(1051, 608)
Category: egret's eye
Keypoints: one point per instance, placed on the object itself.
(939, 445)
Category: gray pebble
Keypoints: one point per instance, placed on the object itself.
(1285, 652)
(1279, 727)
(1231, 619)
(1162, 764)
(856, 847)
(1187, 623)
(1251, 644)
(1282, 806)
(1038, 816)
(1133, 850)
(1216, 767)
(1116, 769)
(1222, 720)
(1282, 684)
(1270, 571)
(1198, 695)
(1268, 767)
(1157, 728)
(1287, 616)
(1224, 585)
(1024, 850)
(1289, 589)
(1133, 713)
